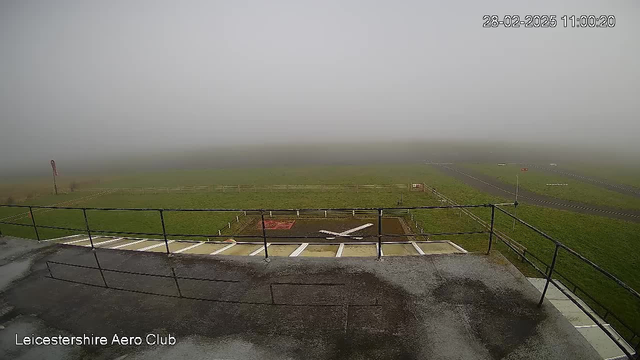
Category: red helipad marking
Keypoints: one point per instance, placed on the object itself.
(277, 224)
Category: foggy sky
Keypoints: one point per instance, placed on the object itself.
(87, 78)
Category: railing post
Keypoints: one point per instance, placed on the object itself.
(379, 233)
(164, 231)
(49, 268)
(86, 223)
(175, 278)
(33, 221)
(95, 255)
(264, 236)
(553, 265)
(493, 217)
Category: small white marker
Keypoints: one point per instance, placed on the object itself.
(77, 241)
(259, 250)
(418, 249)
(64, 238)
(127, 244)
(457, 247)
(340, 249)
(189, 248)
(156, 245)
(223, 249)
(105, 242)
(381, 253)
(299, 250)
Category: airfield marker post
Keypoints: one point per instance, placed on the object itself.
(86, 223)
(264, 236)
(493, 217)
(33, 221)
(164, 231)
(553, 265)
(379, 233)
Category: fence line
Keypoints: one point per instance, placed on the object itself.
(256, 188)
(72, 201)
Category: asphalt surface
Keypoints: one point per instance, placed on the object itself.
(311, 227)
(495, 187)
(423, 307)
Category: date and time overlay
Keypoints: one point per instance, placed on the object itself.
(549, 21)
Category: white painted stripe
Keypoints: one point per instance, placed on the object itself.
(299, 250)
(259, 250)
(155, 246)
(340, 249)
(189, 248)
(457, 247)
(381, 253)
(127, 244)
(418, 249)
(620, 357)
(105, 242)
(589, 326)
(223, 249)
(76, 241)
(64, 237)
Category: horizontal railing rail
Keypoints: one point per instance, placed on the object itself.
(248, 210)
(269, 296)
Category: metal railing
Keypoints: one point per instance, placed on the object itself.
(269, 300)
(379, 213)
(550, 271)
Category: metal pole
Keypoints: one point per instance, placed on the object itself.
(515, 209)
(55, 186)
(86, 223)
(33, 221)
(175, 278)
(379, 233)
(49, 268)
(264, 236)
(100, 268)
(164, 231)
(493, 217)
(553, 264)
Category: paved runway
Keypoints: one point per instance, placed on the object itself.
(605, 184)
(495, 187)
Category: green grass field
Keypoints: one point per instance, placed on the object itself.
(626, 175)
(576, 190)
(608, 242)
(392, 174)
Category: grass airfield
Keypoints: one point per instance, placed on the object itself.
(536, 181)
(611, 243)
